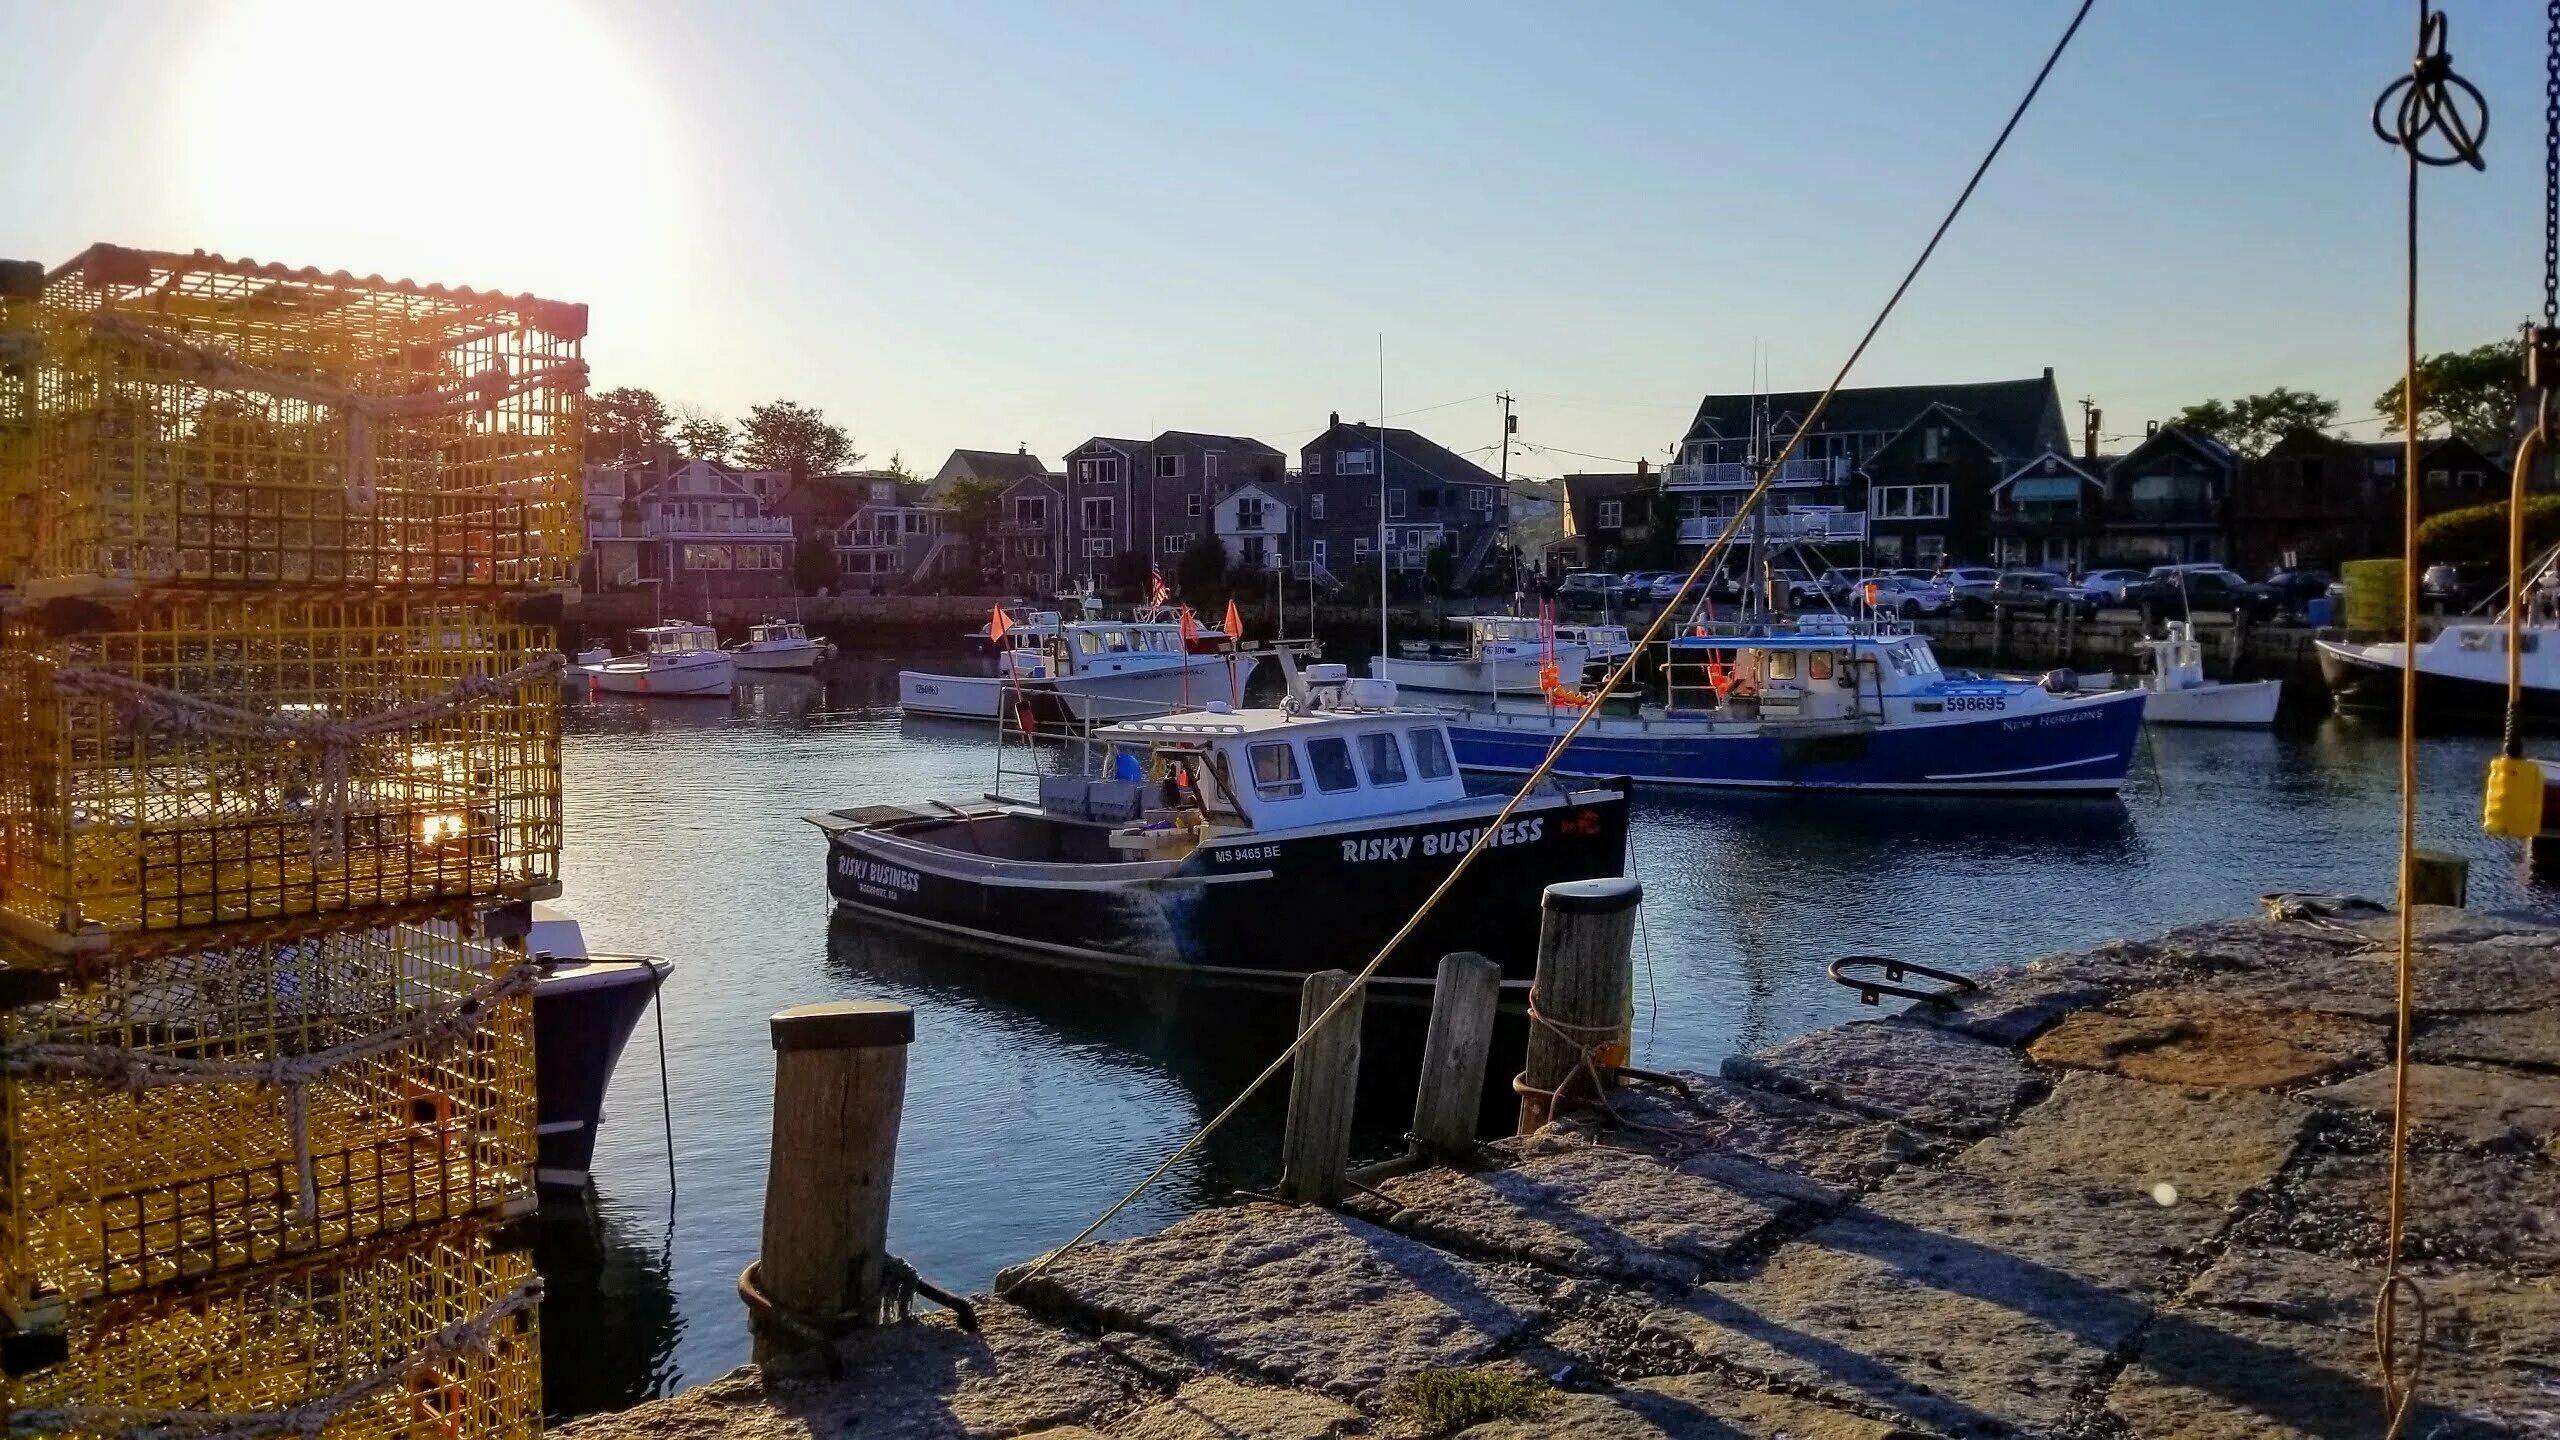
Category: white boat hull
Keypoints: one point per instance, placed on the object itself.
(1511, 674)
(796, 657)
(713, 676)
(1098, 698)
(2249, 703)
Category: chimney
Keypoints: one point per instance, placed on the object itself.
(2048, 374)
(1644, 467)
(2150, 428)
(1333, 419)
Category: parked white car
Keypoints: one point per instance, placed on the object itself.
(2106, 587)
(1901, 595)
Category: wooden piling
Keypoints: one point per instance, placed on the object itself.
(839, 1084)
(1315, 1148)
(2436, 878)
(1454, 1052)
(1580, 1002)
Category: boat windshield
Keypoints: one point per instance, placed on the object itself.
(677, 642)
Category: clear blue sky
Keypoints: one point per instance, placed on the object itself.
(1003, 221)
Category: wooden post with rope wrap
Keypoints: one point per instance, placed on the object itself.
(1315, 1147)
(1454, 1053)
(1580, 1004)
(839, 1085)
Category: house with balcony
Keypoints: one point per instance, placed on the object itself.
(2167, 500)
(897, 543)
(1252, 526)
(1827, 492)
(697, 528)
(1129, 501)
(1431, 495)
(2046, 515)
(1029, 536)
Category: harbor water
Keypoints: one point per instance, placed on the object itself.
(1036, 1096)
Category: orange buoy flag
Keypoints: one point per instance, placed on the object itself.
(997, 626)
(1234, 622)
(1190, 626)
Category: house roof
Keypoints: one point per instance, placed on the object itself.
(2007, 413)
(1243, 444)
(1414, 450)
(2052, 464)
(1606, 486)
(2196, 442)
(1005, 465)
(1952, 415)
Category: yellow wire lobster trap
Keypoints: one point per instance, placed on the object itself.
(205, 1111)
(232, 759)
(201, 420)
(432, 1336)
(20, 282)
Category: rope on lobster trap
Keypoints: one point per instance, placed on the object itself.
(161, 708)
(434, 1031)
(472, 1336)
(222, 370)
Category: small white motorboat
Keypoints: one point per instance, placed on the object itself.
(671, 659)
(1086, 672)
(1498, 655)
(1603, 646)
(2180, 695)
(779, 645)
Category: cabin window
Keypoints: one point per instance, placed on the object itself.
(1899, 657)
(1088, 642)
(1382, 758)
(1782, 664)
(1119, 641)
(1275, 772)
(1817, 665)
(1430, 754)
(1330, 758)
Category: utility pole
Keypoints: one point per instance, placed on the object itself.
(1510, 427)
(2090, 418)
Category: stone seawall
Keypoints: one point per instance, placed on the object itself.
(2134, 1191)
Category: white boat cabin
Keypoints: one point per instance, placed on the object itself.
(777, 632)
(675, 638)
(1101, 647)
(1818, 672)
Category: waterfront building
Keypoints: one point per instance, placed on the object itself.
(1607, 518)
(2045, 514)
(1135, 502)
(1252, 523)
(699, 528)
(1434, 497)
(2167, 500)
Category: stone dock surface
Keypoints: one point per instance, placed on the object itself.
(2132, 1191)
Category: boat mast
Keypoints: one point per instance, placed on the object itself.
(1382, 502)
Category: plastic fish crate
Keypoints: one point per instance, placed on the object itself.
(205, 421)
(106, 1188)
(301, 1336)
(125, 812)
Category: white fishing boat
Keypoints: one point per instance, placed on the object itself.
(2180, 695)
(1493, 655)
(779, 645)
(1084, 672)
(668, 660)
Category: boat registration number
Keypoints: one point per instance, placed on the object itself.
(1977, 702)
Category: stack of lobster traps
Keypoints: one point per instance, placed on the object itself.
(281, 553)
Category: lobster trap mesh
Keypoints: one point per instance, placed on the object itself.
(201, 1112)
(229, 759)
(428, 1337)
(18, 353)
(210, 421)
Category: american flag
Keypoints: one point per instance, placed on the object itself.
(1157, 594)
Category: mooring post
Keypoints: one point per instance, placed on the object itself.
(839, 1084)
(1315, 1148)
(2436, 878)
(1454, 1052)
(1579, 1003)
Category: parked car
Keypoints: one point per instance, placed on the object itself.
(2296, 589)
(2175, 591)
(2040, 592)
(2107, 587)
(1909, 598)
(1802, 589)
(2457, 587)
(1588, 587)
(1840, 582)
(1971, 585)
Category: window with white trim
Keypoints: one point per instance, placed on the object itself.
(1209, 464)
(1907, 502)
(1315, 462)
(1168, 467)
(1354, 462)
(1395, 504)
(1612, 514)
(1193, 504)
(1315, 507)
(1173, 544)
(1031, 512)
(1097, 514)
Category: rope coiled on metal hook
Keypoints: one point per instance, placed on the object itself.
(473, 1335)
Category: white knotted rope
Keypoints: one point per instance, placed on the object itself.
(162, 708)
(221, 370)
(472, 1336)
(434, 1031)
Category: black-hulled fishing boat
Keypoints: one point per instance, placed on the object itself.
(1253, 844)
(585, 1007)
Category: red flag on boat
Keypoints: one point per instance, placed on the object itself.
(997, 625)
(1234, 622)
(1190, 626)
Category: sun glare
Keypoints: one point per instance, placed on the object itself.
(520, 144)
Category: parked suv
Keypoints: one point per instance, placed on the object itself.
(2040, 592)
(1971, 585)
(2175, 591)
(1587, 587)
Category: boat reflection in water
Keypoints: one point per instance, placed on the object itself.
(606, 1282)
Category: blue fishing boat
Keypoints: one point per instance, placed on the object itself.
(1829, 703)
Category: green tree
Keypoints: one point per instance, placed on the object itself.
(1439, 567)
(701, 435)
(813, 564)
(2472, 393)
(898, 467)
(2253, 423)
(786, 435)
(974, 513)
(1201, 574)
(625, 426)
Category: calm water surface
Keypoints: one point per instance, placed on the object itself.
(1035, 1097)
